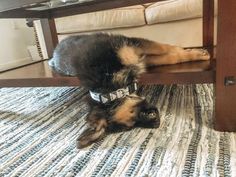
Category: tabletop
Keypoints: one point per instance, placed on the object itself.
(59, 8)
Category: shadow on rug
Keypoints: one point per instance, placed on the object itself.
(39, 126)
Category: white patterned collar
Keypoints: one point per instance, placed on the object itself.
(120, 93)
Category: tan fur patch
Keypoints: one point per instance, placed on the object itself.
(118, 77)
(129, 55)
(126, 113)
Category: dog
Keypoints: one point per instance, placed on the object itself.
(109, 67)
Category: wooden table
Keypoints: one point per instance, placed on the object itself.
(221, 71)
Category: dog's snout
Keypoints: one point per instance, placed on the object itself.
(148, 116)
(152, 115)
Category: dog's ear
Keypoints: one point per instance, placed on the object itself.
(95, 131)
(89, 136)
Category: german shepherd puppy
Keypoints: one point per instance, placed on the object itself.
(109, 65)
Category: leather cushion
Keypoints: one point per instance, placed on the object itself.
(173, 10)
(116, 18)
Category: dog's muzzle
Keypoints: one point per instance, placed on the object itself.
(120, 93)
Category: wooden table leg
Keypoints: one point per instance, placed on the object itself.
(225, 118)
(50, 39)
(208, 25)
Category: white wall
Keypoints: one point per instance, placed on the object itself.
(15, 36)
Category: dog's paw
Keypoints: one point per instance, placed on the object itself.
(199, 54)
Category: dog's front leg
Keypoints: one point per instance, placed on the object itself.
(127, 75)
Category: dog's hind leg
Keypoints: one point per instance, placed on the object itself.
(148, 47)
(163, 54)
(178, 55)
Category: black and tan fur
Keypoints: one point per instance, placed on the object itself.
(104, 63)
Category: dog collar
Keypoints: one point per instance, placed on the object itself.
(120, 93)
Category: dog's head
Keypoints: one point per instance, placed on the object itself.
(135, 111)
(131, 111)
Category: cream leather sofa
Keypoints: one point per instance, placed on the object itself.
(177, 22)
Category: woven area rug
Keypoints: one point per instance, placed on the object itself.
(39, 126)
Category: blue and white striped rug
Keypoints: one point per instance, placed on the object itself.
(39, 126)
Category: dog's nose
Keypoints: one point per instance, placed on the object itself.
(152, 115)
(152, 112)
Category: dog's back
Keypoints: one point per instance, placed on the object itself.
(93, 58)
